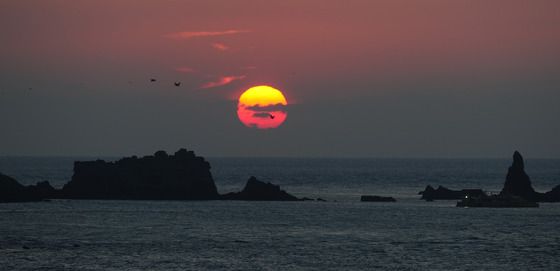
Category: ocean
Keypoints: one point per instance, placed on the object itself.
(340, 234)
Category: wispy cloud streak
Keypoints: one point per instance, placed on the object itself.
(275, 107)
(222, 81)
(197, 34)
(220, 46)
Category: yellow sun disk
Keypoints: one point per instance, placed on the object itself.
(263, 96)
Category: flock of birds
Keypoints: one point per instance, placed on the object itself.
(177, 83)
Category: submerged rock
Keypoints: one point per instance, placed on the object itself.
(182, 176)
(377, 199)
(443, 193)
(256, 190)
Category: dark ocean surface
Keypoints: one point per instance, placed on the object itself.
(341, 234)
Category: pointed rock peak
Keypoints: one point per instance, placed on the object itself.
(517, 160)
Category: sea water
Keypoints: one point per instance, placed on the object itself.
(340, 234)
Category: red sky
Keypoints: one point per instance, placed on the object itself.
(318, 52)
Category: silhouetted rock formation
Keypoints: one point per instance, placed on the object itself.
(256, 190)
(182, 176)
(552, 195)
(518, 182)
(12, 191)
(44, 190)
(377, 199)
(443, 193)
(517, 190)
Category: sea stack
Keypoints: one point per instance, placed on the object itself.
(518, 182)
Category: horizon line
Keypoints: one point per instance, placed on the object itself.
(284, 157)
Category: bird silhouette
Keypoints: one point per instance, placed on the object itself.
(177, 84)
(271, 116)
(153, 80)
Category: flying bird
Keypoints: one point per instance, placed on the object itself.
(153, 80)
(177, 84)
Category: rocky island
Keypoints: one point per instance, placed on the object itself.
(181, 176)
(256, 190)
(518, 183)
(444, 193)
(517, 191)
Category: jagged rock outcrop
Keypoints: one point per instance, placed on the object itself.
(518, 184)
(256, 190)
(182, 176)
(372, 198)
(44, 190)
(443, 193)
(552, 195)
(12, 191)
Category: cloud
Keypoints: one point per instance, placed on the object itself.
(197, 34)
(268, 108)
(222, 81)
(184, 69)
(220, 46)
(261, 115)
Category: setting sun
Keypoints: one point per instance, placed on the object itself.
(262, 107)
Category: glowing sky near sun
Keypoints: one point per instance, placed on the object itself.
(262, 107)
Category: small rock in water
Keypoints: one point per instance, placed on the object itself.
(377, 199)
